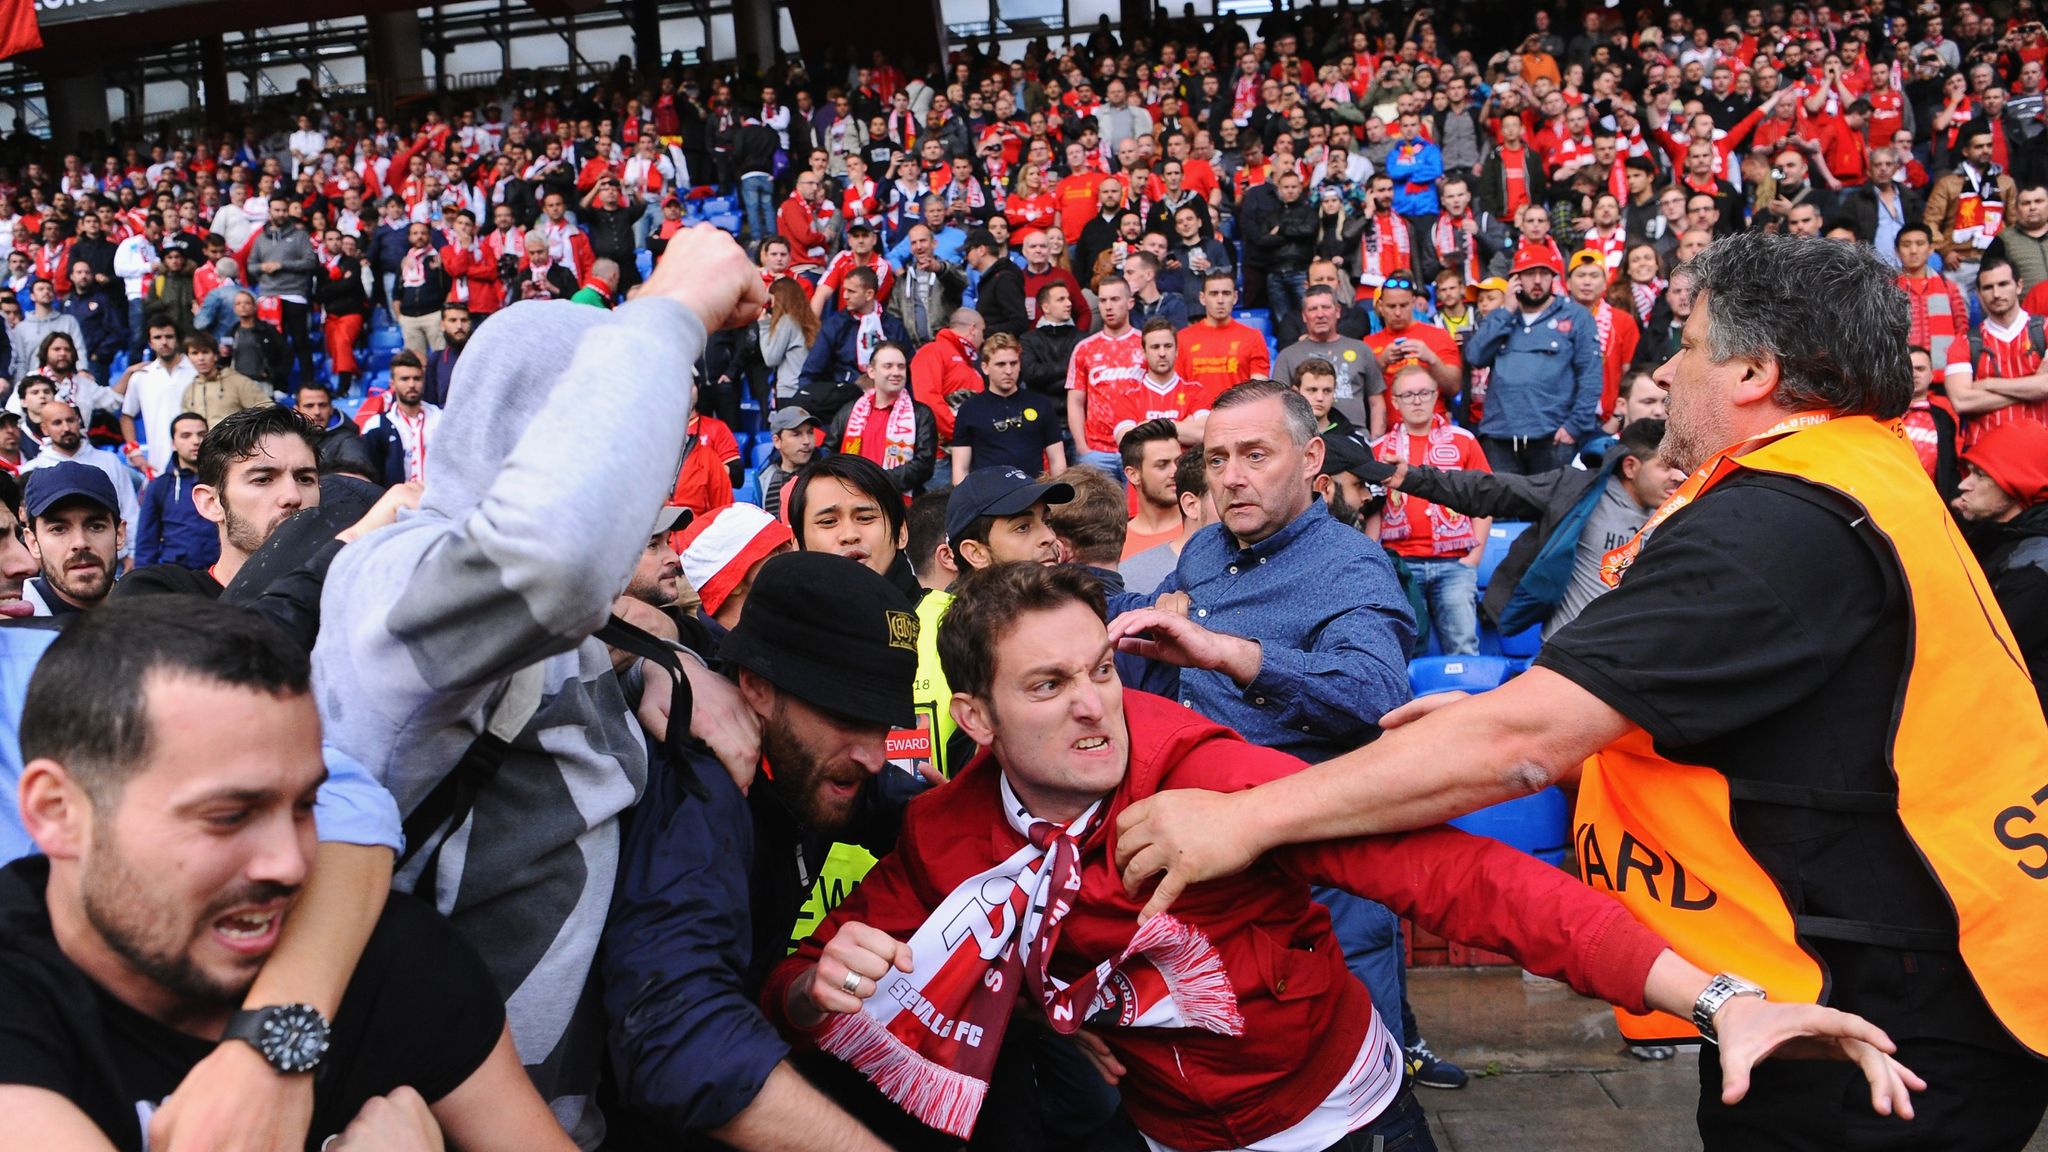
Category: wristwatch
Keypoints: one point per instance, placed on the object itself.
(1719, 991)
(292, 1037)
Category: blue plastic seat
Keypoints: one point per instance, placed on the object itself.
(730, 222)
(1522, 645)
(1499, 539)
(764, 449)
(1539, 824)
(1257, 319)
(1427, 674)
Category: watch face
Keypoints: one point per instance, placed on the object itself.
(294, 1037)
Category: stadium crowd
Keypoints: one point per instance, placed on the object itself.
(729, 555)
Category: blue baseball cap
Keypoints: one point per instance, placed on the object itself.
(47, 487)
(998, 492)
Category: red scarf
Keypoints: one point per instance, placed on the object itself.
(897, 445)
(1382, 251)
(1448, 236)
(928, 1039)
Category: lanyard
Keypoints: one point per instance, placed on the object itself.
(1618, 561)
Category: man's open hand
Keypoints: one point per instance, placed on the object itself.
(1184, 836)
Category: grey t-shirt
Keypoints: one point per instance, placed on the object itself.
(1358, 371)
(1614, 522)
(1145, 571)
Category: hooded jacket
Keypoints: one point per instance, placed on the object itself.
(2015, 557)
(514, 559)
(291, 249)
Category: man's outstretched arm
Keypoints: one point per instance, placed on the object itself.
(1514, 741)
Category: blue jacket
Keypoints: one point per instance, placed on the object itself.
(832, 355)
(1323, 602)
(103, 324)
(387, 246)
(169, 529)
(217, 313)
(709, 896)
(1546, 371)
(1415, 168)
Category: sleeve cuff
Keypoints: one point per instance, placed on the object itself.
(353, 808)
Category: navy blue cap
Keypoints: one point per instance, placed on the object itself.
(998, 492)
(47, 486)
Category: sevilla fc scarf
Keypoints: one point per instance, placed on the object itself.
(928, 1040)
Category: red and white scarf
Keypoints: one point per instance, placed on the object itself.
(928, 1039)
(1383, 251)
(1647, 294)
(1450, 531)
(1447, 235)
(899, 431)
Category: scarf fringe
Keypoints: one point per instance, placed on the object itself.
(937, 1095)
(1194, 974)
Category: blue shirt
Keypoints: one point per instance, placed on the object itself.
(351, 808)
(1332, 623)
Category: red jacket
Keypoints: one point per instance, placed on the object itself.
(799, 224)
(1305, 1014)
(941, 368)
(480, 285)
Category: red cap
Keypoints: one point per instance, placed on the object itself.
(2015, 456)
(1544, 255)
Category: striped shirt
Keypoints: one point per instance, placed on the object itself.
(2006, 353)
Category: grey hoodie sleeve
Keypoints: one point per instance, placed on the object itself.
(518, 548)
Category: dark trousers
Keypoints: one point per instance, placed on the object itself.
(1526, 456)
(298, 333)
(1403, 1127)
(1977, 1100)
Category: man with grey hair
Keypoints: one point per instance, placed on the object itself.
(1787, 650)
(1298, 631)
(216, 315)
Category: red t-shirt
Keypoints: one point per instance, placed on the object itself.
(1106, 368)
(1218, 358)
(2005, 356)
(1076, 195)
(1414, 527)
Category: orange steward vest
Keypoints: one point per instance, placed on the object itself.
(1969, 751)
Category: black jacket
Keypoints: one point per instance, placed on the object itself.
(343, 295)
(2015, 559)
(1277, 236)
(1047, 351)
(1659, 338)
(909, 478)
(1000, 299)
(1491, 182)
(753, 150)
(260, 353)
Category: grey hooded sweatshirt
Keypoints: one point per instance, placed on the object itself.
(514, 557)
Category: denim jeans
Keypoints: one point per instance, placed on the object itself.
(646, 224)
(1110, 462)
(1284, 291)
(1451, 587)
(757, 203)
(138, 336)
(1403, 1127)
(1370, 935)
(1525, 455)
